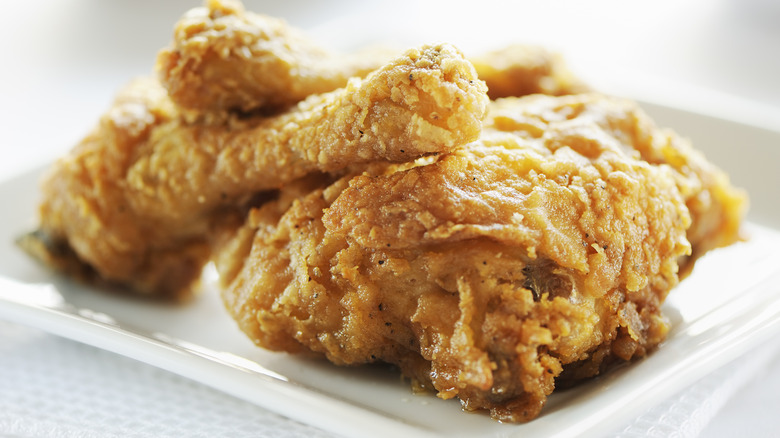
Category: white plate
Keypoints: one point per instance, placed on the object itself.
(727, 307)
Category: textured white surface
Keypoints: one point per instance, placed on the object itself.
(753, 410)
(52, 387)
(691, 412)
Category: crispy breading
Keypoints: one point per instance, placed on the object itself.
(521, 69)
(716, 207)
(224, 58)
(137, 199)
(541, 252)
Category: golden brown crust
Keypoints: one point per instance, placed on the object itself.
(544, 249)
(86, 216)
(716, 207)
(225, 59)
(138, 199)
(519, 70)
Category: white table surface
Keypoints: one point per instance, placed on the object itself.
(63, 61)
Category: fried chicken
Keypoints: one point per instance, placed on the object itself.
(137, 200)
(492, 260)
(717, 209)
(224, 58)
(537, 255)
(519, 70)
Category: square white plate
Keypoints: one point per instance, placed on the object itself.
(729, 305)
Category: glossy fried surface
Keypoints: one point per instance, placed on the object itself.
(540, 253)
(138, 198)
(224, 58)
(521, 69)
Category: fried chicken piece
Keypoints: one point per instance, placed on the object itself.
(518, 70)
(717, 209)
(541, 252)
(223, 59)
(138, 199)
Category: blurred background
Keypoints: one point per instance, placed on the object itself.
(64, 60)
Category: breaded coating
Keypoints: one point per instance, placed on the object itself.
(88, 227)
(224, 58)
(716, 207)
(519, 70)
(540, 253)
(138, 198)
